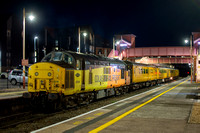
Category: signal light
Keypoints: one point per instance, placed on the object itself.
(187, 72)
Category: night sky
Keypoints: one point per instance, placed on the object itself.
(154, 22)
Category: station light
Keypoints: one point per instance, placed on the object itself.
(186, 41)
(31, 17)
(84, 34)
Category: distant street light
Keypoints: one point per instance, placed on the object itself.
(31, 17)
(118, 42)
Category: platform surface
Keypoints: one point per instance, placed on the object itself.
(12, 92)
(163, 109)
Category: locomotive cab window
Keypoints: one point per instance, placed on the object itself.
(69, 60)
(57, 56)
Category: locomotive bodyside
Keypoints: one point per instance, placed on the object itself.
(67, 78)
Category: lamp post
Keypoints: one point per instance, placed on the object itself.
(113, 47)
(79, 39)
(31, 17)
(191, 58)
(84, 35)
(35, 50)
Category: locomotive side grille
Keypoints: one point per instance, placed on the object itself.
(69, 79)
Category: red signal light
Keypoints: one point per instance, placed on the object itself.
(187, 72)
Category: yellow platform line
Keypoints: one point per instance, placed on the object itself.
(10, 93)
(132, 110)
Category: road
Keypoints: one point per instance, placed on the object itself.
(4, 84)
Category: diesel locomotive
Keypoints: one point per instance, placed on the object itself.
(66, 79)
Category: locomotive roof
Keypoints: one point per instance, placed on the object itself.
(92, 57)
(95, 58)
(151, 65)
(138, 64)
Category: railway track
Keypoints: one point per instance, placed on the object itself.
(30, 116)
(12, 121)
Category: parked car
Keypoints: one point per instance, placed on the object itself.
(3, 75)
(16, 76)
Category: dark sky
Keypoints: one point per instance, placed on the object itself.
(154, 22)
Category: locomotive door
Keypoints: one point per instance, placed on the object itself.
(131, 73)
(83, 76)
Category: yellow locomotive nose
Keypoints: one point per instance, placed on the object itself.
(46, 77)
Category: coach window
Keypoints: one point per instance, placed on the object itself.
(143, 71)
(104, 70)
(147, 71)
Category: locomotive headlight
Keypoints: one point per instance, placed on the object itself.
(36, 73)
(49, 74)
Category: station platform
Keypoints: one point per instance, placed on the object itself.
(12, 92)
(173, 107)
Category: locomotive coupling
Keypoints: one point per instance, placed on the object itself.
(52, 96)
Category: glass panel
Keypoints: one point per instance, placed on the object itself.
(14, 73)
(68, 59)
(19, 73)
(78, 65)
(57, 56)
